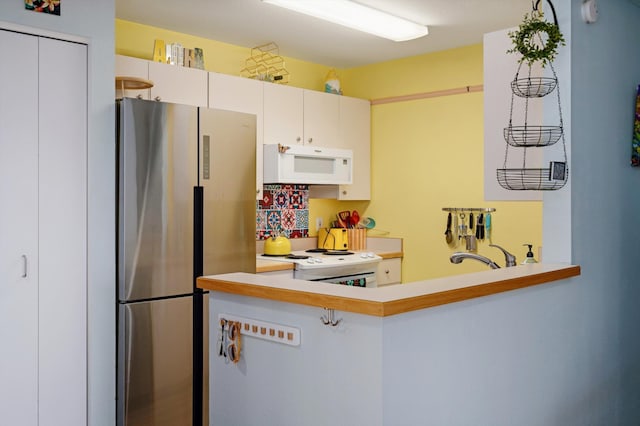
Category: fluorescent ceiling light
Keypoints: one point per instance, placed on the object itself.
(356, 16)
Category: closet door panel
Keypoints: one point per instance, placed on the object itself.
(18, 229)
(63, 232)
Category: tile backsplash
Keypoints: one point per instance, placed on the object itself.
(283, 208)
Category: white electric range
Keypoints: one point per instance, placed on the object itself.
(332, 266)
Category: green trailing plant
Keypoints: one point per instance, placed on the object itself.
(536, 40)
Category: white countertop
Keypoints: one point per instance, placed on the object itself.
(389, 300)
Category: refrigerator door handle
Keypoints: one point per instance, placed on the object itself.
(206, 157)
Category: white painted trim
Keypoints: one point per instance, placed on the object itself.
(11, 26)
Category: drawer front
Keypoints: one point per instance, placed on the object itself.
(389, 272)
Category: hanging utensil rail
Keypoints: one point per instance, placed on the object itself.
(469, 209)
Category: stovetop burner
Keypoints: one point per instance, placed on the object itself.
(288, 256)
(297, 256)
(328, 252)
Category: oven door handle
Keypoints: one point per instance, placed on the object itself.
(357, 280)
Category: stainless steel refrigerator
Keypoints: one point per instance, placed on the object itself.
(186, 208)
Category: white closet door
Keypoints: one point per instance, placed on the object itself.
(18, 229)
(63, 233)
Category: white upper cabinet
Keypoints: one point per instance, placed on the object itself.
(354, 133)
(300, 116)
(127, 66)
(321, 118)
(180, 85)
(283, 114)
(242, 95)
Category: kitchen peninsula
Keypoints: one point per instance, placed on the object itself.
(357, 356)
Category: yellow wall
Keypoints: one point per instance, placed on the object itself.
(133, 39)
(426, 154)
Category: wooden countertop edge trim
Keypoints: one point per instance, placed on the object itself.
(275, 267)
(393, 255)
(383, 309)
(481, 290)
(293, 296)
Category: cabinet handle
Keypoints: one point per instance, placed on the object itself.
(310, 140)
(344, 192)
(157, 98)
(298, 139)
(257, 191)
(386, 271)
(24, 266)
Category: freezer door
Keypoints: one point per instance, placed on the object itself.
(157, 166)
(155, 375)
(228, 175)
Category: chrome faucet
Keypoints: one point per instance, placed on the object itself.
(458, 257)
(509, 259)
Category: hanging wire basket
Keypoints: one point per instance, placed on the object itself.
(525, 136)
(533, 87)
(532, 179)
(532, 136)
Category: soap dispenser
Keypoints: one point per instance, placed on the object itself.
(529, 258)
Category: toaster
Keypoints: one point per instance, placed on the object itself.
(333, 239)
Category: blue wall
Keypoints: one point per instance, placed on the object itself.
(602, 73)
(605, 198)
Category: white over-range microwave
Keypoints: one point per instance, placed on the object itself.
(303, 164)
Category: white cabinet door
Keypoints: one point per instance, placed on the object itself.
(389, 272)
(18, 229)
(127, 66)
(62, 225)
(355, 134)
(300, 116)
(178, 85)
(321, 118)
(283, 114)
(243, 95)
(43, 231)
